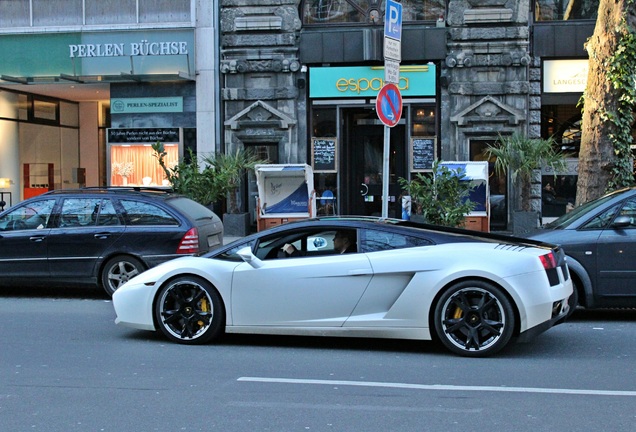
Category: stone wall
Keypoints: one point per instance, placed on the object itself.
(262, 89)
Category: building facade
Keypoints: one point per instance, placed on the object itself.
(87, 85)
(303, 76)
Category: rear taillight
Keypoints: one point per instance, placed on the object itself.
(549, 261)
(189, 243)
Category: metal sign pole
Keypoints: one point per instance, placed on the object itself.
(385, 172)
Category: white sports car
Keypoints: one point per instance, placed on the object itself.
(394, 279)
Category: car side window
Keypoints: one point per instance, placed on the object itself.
(377, 240)
(629, 210)
(307, 243)
(602, 220)
(143, 213)
(81, 212)
(105, 214)
(31, 215)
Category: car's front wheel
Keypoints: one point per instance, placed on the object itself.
(474, 319)
(118, 270)
(189, 310)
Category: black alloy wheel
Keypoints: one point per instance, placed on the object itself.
(189, 311)
(474, 319)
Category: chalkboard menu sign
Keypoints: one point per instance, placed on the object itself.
(324, 152)
(423, 152)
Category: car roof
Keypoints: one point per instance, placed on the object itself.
(161, 193)
(585, 212)
(436, 233)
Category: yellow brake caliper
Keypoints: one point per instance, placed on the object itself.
(205, 307)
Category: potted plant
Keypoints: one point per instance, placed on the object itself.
(520, 157)
(230, 171)
(440, 198)
(191, 178)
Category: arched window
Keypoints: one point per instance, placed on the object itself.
(347, 12)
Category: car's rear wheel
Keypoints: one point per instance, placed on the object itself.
(474, 319)
(119, 270)
(189, 310)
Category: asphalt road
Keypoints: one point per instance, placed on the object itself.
(65, 366)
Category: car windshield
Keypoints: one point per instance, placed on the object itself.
(585, 210)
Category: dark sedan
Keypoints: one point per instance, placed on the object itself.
(599, 239)
(100, 236)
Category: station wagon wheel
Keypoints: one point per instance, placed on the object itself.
(119, 270)
(474, 319)
(189, 311)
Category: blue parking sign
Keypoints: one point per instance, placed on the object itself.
(393, 20)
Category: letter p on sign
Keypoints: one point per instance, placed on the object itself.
(393, 20)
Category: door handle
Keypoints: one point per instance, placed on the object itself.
(365, 189)
(101, 236)
(37, 239)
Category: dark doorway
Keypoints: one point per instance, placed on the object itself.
(362, 164)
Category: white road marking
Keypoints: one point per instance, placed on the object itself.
(440, 387)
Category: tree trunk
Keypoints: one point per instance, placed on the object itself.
(596, 157)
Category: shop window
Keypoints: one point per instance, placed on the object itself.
(325, 125)
(367, 11)
(46, 111)
(558, 194)
(563, 124)
(565, 10)
(136, 165)
(423, 120)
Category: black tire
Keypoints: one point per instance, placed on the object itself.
(474, 319)
(118, 270)
(189, 310)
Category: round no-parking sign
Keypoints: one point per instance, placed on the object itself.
(388, 105)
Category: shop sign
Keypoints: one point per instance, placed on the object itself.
(365, 81)
(146, 105)
(143, 48)
(565, 76)
(143, 135)
(113, 53)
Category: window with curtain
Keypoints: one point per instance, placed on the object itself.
(136, 165)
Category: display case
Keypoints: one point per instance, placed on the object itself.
(285, 194)
(476, 172)
(37, 179)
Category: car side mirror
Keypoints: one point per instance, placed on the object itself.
(622, 222)
(247, 256)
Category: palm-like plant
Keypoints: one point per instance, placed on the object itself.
(519, 156)
(229, 171)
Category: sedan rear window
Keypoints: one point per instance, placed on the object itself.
(143, 213)
(191, 208)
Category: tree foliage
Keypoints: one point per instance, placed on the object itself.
(519, 156)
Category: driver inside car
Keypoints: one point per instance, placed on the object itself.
(343, 242)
